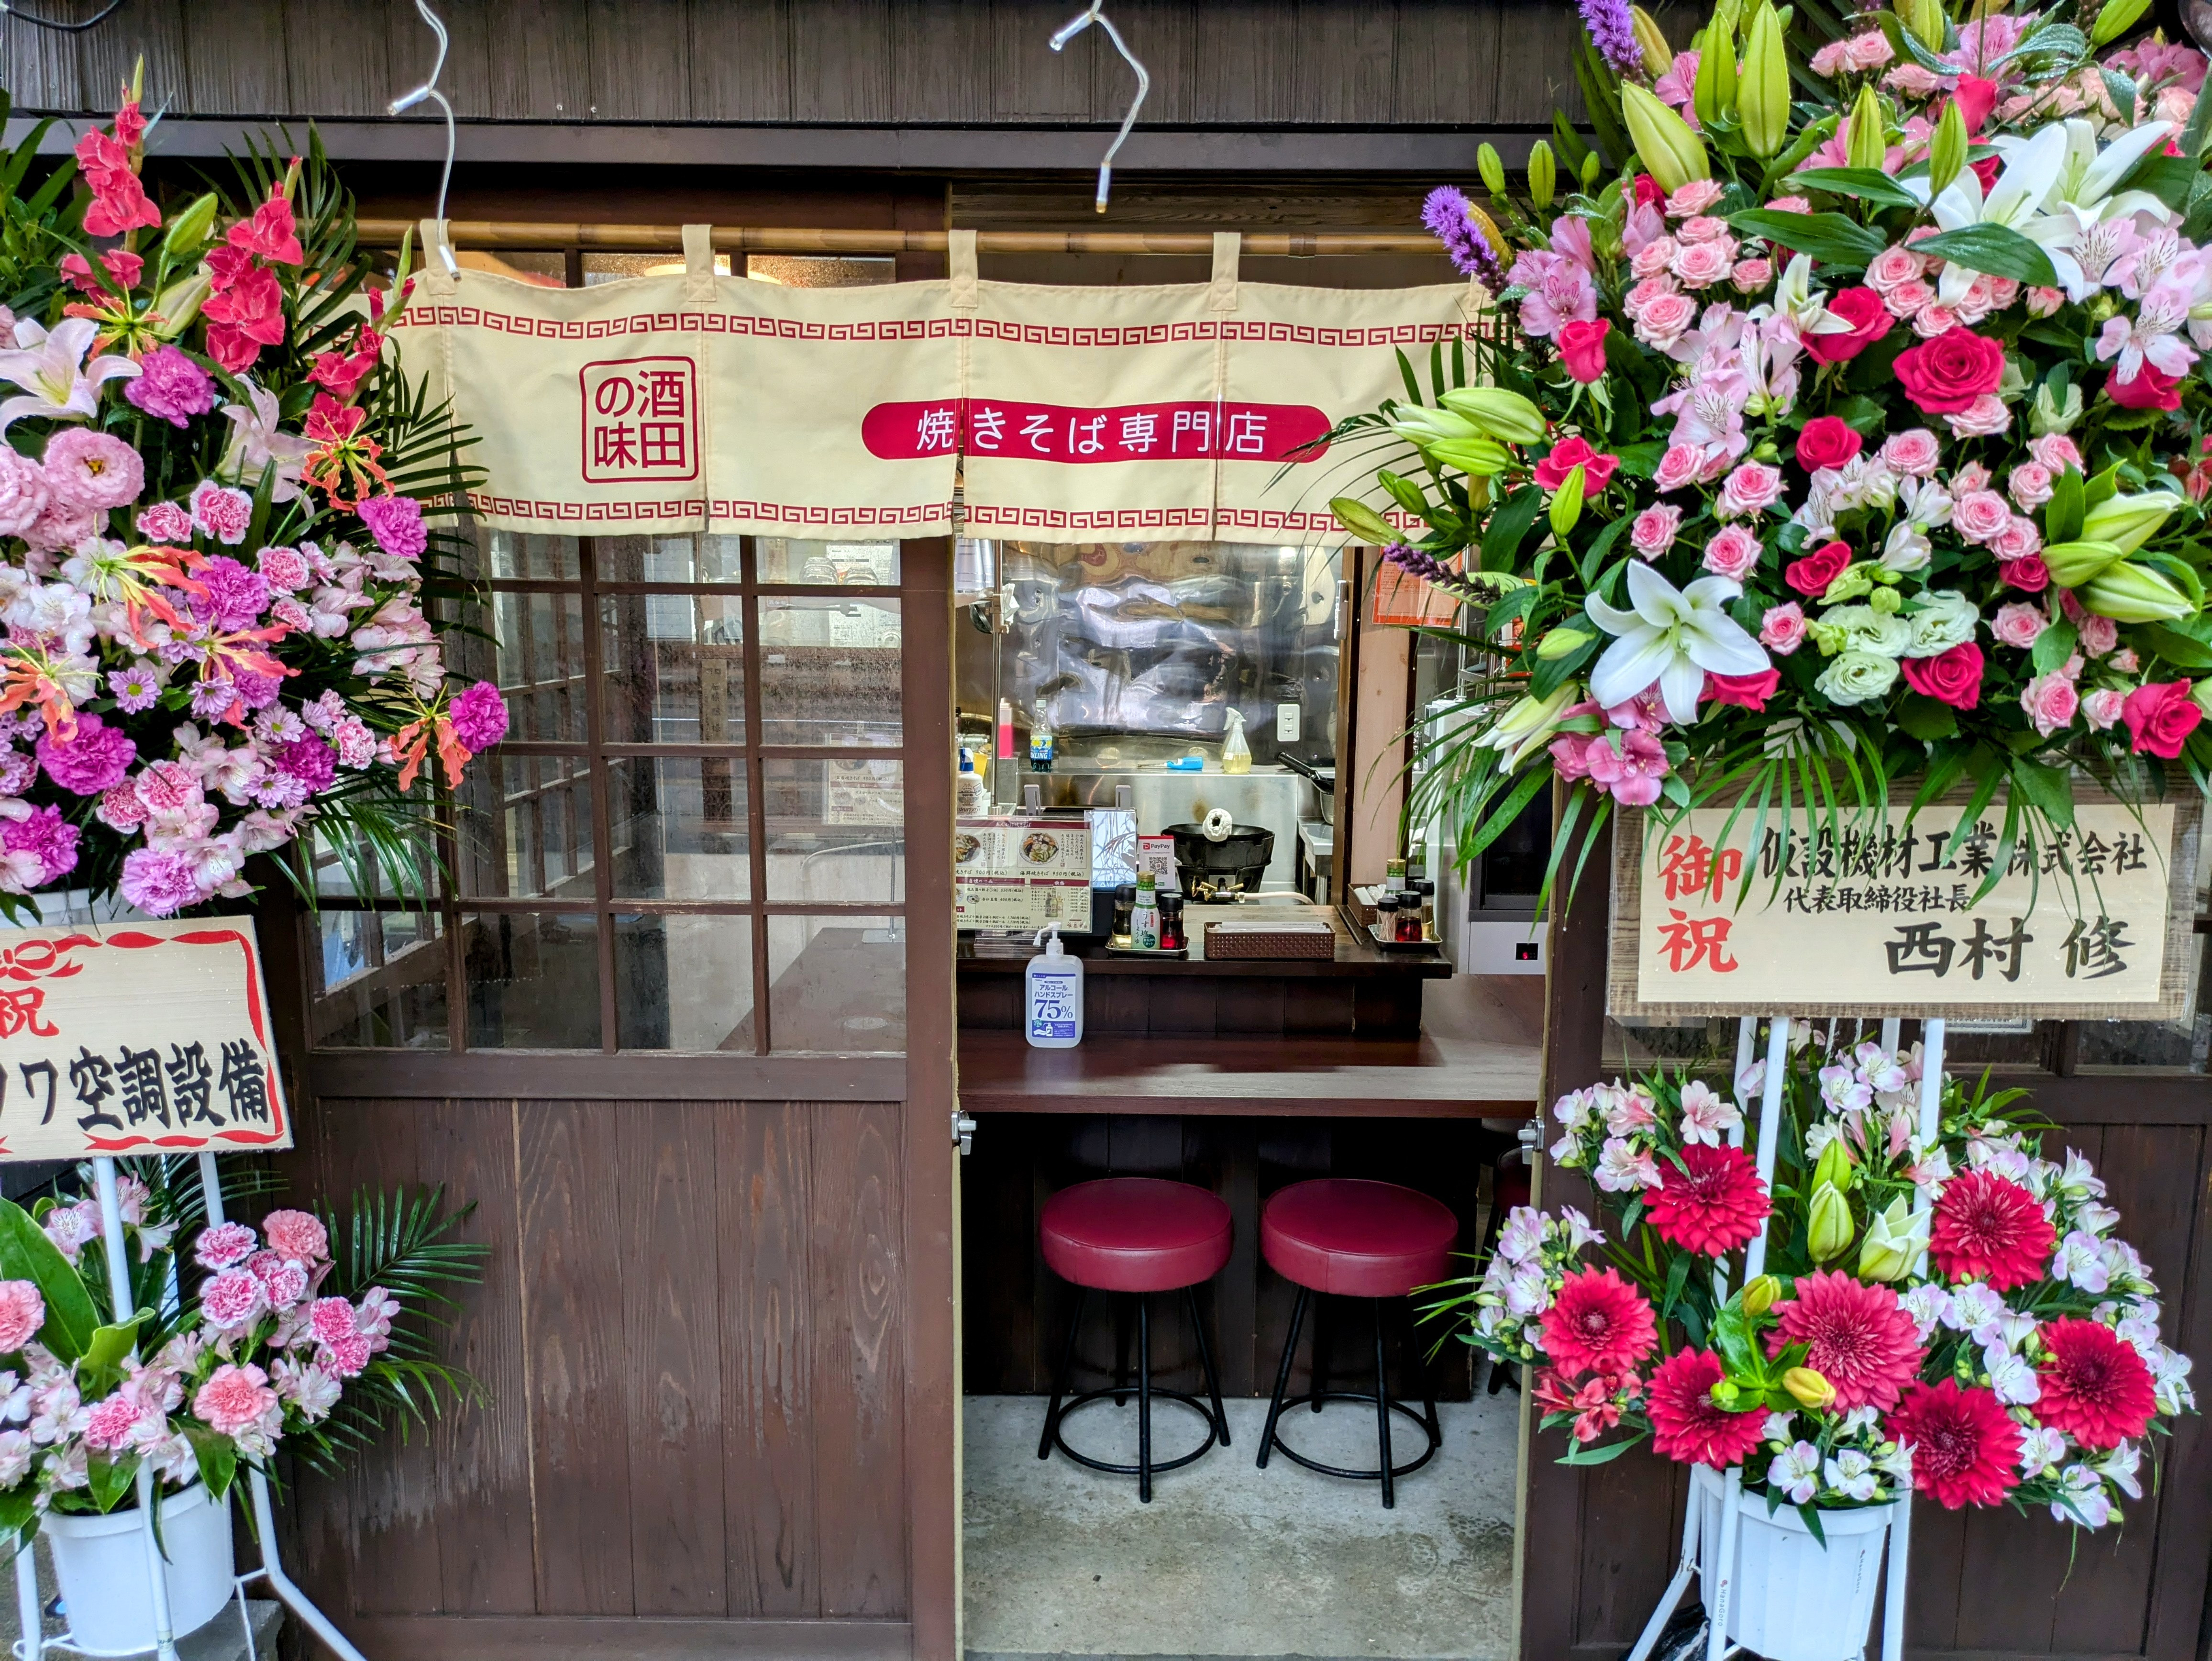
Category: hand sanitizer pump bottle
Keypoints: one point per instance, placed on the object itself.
(1054, 983)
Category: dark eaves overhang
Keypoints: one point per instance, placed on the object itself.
(928, 149)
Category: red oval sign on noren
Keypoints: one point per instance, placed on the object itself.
(1179, 431)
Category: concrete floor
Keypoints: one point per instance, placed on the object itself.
(1231, 1561)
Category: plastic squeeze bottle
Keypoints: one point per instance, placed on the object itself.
(1054, 987)
(1145, 920)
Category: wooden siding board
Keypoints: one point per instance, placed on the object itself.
(574, 1288)
(340, 56)
(638, 72)
(466, 78)
(840, 62)
(236, 63)
(740, 60)
(1031, 82)
(943, 51)
(1163, 34)
(1536, 64)
(42, 67)
(1244, 55)
(765, 1152)
(539, 60)
(151, 29)
(1446, 65)
(1343, 55)
(859, 1361)
(671, 1293)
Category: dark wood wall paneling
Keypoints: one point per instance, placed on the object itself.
(1213, 63)
(729, 1447)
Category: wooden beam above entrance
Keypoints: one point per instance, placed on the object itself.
(742, 239)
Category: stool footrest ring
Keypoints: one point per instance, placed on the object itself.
(1179, 1398)
(1318, 1398)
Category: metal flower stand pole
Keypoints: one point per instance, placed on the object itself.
(1718, 1597)
(33, 1645)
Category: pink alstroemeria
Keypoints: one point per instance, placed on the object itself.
(57, 383)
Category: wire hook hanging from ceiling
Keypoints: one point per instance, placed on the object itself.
(1067, 32)
(428, 89)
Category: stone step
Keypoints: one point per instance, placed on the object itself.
(223, 1639)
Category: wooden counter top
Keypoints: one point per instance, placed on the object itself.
(1354, 957)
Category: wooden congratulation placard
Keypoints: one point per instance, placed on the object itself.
(1874, 918)
(136, 1037)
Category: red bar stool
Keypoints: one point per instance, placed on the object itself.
(1135, 1236)
(1341, 1237)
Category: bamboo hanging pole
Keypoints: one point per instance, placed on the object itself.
(496, 233)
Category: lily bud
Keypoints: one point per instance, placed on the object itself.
(2051, 414)
(2201, 695)
(1670, 152)
(1762, 101)
(2116, 19)
(2128, 522)
(1567, 503)
(1651, 42)
(1894, 1240)
(179, 304)
(1562, 642)
(1527, 726)
(1504, 415)
(1759, 1295)
(1419, 425)
(1493, 170)
(1869, 139)
(1924, 18)
(1828, 1226)
(1543, 173)
(190, 227)
(1362, 520)
(2073, 563)
(2127, 592)
(1947, 148)
(1834, 1165)
(1713, 94)
(1590, 168)
(1481, 456)
(1488, 227)
(1809, 1389)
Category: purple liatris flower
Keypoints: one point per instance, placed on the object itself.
(1417, 561)
(170, 386)
(1445, 213)
(479, 717)
(396, 523)
(1613, 32)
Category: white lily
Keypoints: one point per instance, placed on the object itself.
(255, 442)
(1794, 297)
(2079, 225)
(1672, 636)
(56, 382)
(2032, 173)
(1528, 726)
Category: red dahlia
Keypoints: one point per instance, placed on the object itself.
(1599, 1323)
(1988, 1227)
(2095, 1387)
(1858, 1337)
(1687, 1425)
(1966, 1448)
(1713, 1204)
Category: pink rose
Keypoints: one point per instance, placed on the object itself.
(2044, 303)
(1651, 288)
(2050, 700)
(1750, 488)
(2029, 486)
(1908, 299)
(2102, 708)
(1654, 257)
(1814, 572)
(1653, 532)
(1570, 453)
(2098, 635)
(1678, 467)
(1582, 347)
(2152, 388)
(1782, 629)
(1732, 554)
(1790, 204)
(1954, 677)
(1864, 310)
(1971, 477)
(1693, 197)
(1703, 228)
(1985, 417)
(1743, 691)
(1893, 268)
(2030, 576)
(1665, 318)
(2019, 540)
(1913, 453)
(1826, 441)
(1701, 264)
(2056, 451)
(2019, 625)
(1931, 321)
(2160, 716)
(1750, 276)
(1981, 516)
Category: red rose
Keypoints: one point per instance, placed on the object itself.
(1648, 193)
(1954, 677)
(1826, 441)
(2030, 576)
(1948, 374)
(1870, 319)
(1812, 574)
(2151, 389)
(1744, 691)
(1570, 453)
(2160, 715)
(1583, 346)
(1977, 98)
(1986, 170)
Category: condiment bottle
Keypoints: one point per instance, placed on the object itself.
(1427, 891)
(1386, 916)
(1041, 742)
(1409, 917)
(1394, 879)
(971, 794)
(1172, 938)
(1145, 920)
(1125, 907)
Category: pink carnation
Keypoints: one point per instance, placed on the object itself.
(22, 1312)
(346, 1356)
(396, 523)
(24, 492)
(286, 568)
(232, 1299)
(479, 717)
(235, 1399)
(165, 521)
(159, 884)
(95, 757)
(224, 1245)
(107, 1427)
(221, 512)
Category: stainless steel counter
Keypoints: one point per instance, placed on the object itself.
(1274, 799)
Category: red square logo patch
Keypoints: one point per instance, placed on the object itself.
(641, 420)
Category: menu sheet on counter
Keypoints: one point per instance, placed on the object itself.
(1021, 874)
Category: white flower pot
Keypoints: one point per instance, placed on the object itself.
(102, 1563)
(1791, 1599)
(56, 906)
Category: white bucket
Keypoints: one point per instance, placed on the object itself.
(101, 1562)
(56, 906)
(1791, 1599)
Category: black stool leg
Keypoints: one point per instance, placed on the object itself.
(1120, 1350)
(1322, 1324)
(1283, 1374)
(1205, 1361)
(1059, 1379)
(1143, 1398)
(1383, 1410)
(1428, 1376)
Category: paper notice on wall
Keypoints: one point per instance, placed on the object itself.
(863, 793)
(136, 1037)
(1883, 914)
(1021, 902)
(1021, 874)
